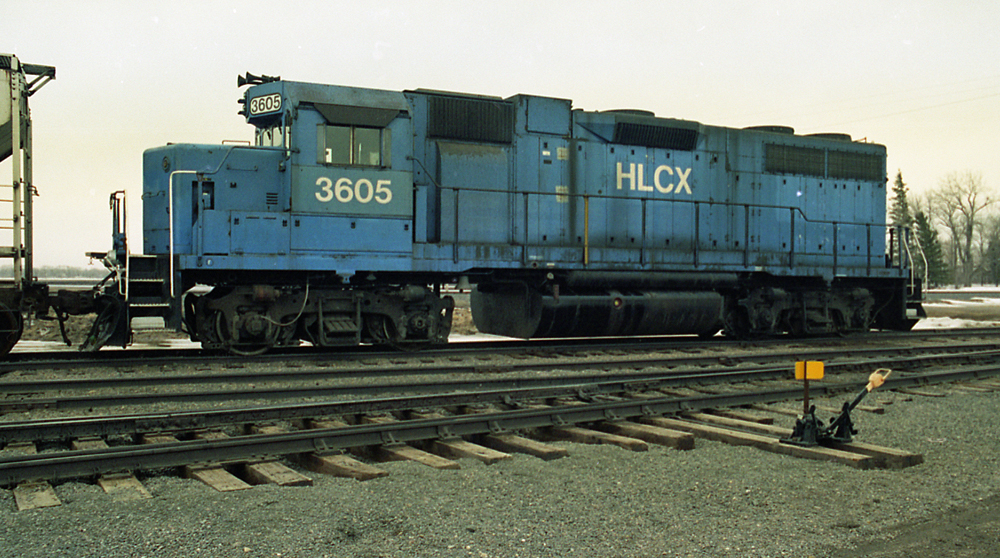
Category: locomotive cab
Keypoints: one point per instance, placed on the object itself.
(286, 232)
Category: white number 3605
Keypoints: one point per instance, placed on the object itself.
(345, 191)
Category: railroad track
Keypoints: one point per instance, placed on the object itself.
(456, 422)
(67, 359)
(219, 451)
(353, 381)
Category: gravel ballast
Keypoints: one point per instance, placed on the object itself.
(716, 500)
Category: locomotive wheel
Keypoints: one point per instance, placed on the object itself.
(11, 327)
(240, 345)
(737, 324)
(797, 324)
(381, 329)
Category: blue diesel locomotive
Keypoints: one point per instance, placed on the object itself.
(354, 206)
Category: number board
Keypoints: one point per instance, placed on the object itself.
(265, 104)
(352, 191)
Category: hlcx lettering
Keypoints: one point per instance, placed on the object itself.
(637, 181)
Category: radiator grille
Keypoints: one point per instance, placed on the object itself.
(859, 166)
(649, 135)
(470, 119)
(789, 159)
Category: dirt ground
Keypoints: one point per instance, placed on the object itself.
(461, 322)
(972, 531)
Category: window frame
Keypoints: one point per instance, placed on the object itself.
(354, 154)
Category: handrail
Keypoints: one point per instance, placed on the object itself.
(909, 257)
(696, 203)
(665, 200)
(170, 213)
(796, 214)
(170, 204)
(120, 215)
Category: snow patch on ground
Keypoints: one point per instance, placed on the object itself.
(953, 323)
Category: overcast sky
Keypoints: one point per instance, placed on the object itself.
(922, 78)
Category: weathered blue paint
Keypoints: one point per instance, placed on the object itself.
(521, 183)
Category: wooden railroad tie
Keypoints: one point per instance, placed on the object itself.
(459, 448)
(649, 433)
(121, 487)
(510, 442)
(980, 387)
(214, 476)
(337, 463)
(406, 452)
(921, 392)
(30, 495)
(624, 434)
(767, 437)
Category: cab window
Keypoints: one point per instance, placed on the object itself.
(353, 145)
(272, 136)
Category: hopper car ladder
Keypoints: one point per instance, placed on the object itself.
(18, 293)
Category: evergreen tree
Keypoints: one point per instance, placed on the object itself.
(899, 210)
(928, 249)
(899, 216)
(990, 258)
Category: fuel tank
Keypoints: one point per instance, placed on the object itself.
(516, 310)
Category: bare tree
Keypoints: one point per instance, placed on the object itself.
(958, 204)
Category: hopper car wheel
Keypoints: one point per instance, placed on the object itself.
(240, 345)
(11, 327)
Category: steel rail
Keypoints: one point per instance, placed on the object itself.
(86, 463)
(78, 427)
(981, 350)
(87, 402)
(423, 387)
(146, 357)
(155, 356)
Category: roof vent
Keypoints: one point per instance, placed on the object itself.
(832, 136)
(787, 130)
(632, 112)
